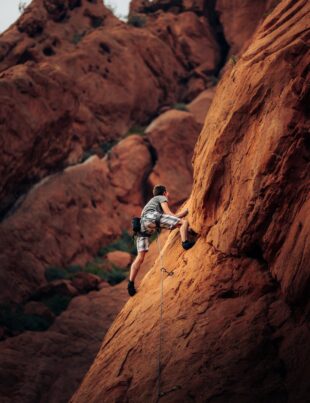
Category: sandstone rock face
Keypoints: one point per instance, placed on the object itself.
(80, 94)
(37, 110)
(173, 135)
(51, 27)
(241, 13)
(48, 366)
(67, 217)
(248, 206)
(73, 77)
(151, 257)
(110, 76)
(199, 106)
(181, 33)
(234, 321)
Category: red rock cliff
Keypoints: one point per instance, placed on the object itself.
(72, 77)
(235, 310)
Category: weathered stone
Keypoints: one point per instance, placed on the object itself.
(239, 20)
(67, 217)
(59, 287)
(50, 365)
(85, 282)
(119, 259)
(199, 106)
(234, 323)
(173, 135)
(37, 308)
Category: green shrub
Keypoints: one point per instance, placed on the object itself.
(57, 303)
(59, 273)
(233, 59)
(16, 320)
(125, 243)
(112, 275)
(74, 268)
(115, 276)
(137, 129)
(77, 37)
(213, 80)
(91, 267)
(96, 22)
(180, 107)
(98, 260)
(105, 147)
(87, 154)
(55, 273)
(137, 21)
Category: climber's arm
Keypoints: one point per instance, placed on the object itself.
(167, 210)
(182, 213)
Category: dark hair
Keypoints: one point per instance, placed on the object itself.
(159, 190)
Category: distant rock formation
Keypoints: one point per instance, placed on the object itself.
(235, 311)
(68, 216)
(50, 365)
(73, 77)
(88, 124)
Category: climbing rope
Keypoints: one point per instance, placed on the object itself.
(169, 273)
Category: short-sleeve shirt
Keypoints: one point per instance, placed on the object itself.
(154, 205)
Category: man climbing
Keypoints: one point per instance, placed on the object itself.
(156, 214)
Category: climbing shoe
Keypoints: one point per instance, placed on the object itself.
(131, 288)
(188, 244)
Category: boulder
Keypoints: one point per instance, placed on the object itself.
(62, 93)
(244, 14)
(59, 287)
(50, 365)
(200, 105)
(37, 308)
(228, 330)
(119, 259)
(68, 216)
(181, 31)
(104, 284)
(173, 135)
(85, 282)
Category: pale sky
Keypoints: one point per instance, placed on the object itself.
(9, 10)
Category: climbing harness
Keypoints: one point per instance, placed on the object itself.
(169, 273)
(136, 227)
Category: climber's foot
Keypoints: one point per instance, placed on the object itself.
(131, 288)
(192, 232)
(188, 244)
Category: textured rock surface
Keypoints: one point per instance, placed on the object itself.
(191, 37)
(119, 258)
(241, 13)
(248, 205)
(110, 76)
(48, 366)
(37, 110)
(235, 320)
(199, 106)
(173, 135)
(67, 217)
(85, 282)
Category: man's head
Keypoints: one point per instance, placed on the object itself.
(159, 190)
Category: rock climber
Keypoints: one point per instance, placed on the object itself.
(156, 214)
